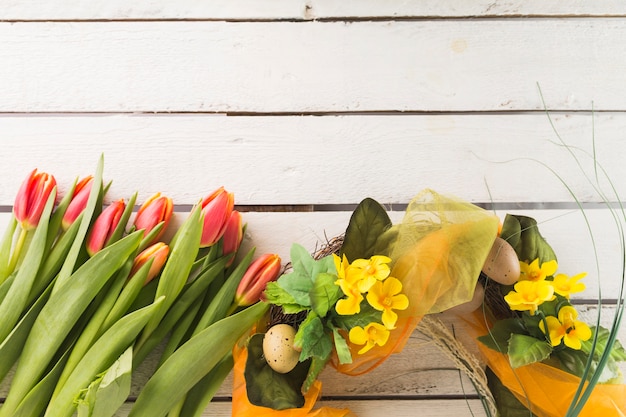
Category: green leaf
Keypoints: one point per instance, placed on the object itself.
(298, 286)
(277, 295)
(312, 339)
(617, 353)
(524, 350)
(368, 223)
(102, 354)
(106, 394)
(324, 293)
(268, 388)
(317, 366)
(192, 361)
(5, 250)
(508, 405)
(341, 347)
(60, 314)
(16, 298)
(184, 249)
(523, 234)
(367, 315)
(499, 335)
(202, 393)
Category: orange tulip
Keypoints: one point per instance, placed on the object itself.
(158, 253)
(78, 203)
(32, 197)
(233, 234)
(216, 209)
(104, 226)
(155, 210)
(259, 273)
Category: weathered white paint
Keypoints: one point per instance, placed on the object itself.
(440, 65)
(298, 9)
(319, 160)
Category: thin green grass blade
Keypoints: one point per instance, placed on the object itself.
(192, 361)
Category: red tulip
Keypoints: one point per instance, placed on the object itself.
(104, 226)
(259, 273)
(79, 201)
(158, 253)
(32, 197)
(155, 210)
(216, 209)
(233, 234)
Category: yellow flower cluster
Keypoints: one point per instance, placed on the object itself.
(369, 279)
(538, 284)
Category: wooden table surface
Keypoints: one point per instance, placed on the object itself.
(302, 108)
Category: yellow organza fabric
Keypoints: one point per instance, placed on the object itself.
(545, 390)
(437, 254)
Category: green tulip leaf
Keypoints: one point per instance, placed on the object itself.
(268, 388)
(365, 231)
(104, 396)
(524, 350)
(523, 234)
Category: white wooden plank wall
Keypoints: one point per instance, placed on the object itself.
(304, 107)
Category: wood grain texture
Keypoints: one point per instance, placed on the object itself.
(320, 160)
(312, 67)
(299, 9)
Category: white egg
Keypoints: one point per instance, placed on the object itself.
(278, 348)
(502, 264)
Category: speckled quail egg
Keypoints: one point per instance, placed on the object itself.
(278, 348)
(502, 264)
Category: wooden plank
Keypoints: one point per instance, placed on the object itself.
(318, 160)
(364, 408)
(441, 65)
(565, 230)
(299, 10)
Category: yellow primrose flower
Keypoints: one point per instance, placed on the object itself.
(566, 328)
(385, 296)
(528, 295)
(565, 285)
(534, 272)
(352, 304)
(368, 271)
(341, 265)
(373, 334)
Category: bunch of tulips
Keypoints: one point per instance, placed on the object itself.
(87, 292)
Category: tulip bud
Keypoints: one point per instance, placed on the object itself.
(233, 234)
(158, 253)
(104, 226)
(78, 203)
(32, 197)
(216, 209)
(155, 210)
(259, 273)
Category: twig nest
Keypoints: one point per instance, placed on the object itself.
(502, 264)
(278, 348)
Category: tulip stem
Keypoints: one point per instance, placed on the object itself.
(18, 249)
(233, 307)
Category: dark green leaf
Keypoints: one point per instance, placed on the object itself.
(368, 223)
(268, 388)
(523, 234)
(499, 335)
(524, 350)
